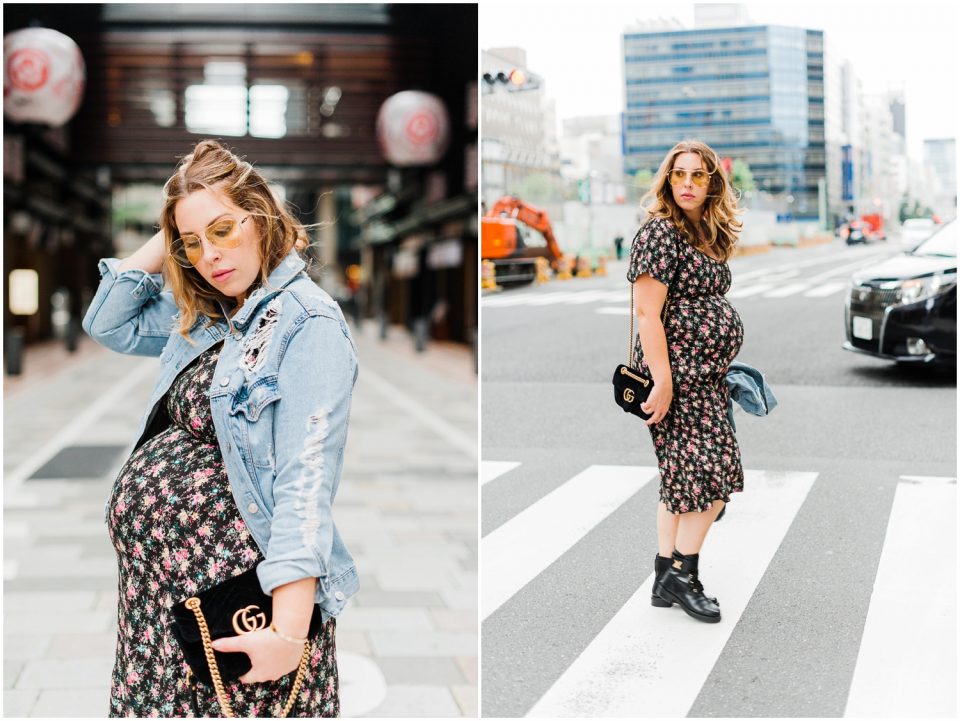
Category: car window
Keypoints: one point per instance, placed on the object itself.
(941, 243)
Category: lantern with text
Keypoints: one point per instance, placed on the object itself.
(413, 128)
(43, 76)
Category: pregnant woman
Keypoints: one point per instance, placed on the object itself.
(683, 250)
(239, 451)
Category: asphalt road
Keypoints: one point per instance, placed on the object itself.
(801, 560)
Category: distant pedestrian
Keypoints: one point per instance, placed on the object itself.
(680, 255)
(239, 452)
(618, 244)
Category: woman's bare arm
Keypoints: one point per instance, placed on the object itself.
(649, 296)
(149, 257)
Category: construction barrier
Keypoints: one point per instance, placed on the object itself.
(583, 268)
(488, 275)
(601, 268)
(543, 270)
(563, 268)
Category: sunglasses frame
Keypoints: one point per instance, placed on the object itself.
(184, 260)
(683, 177)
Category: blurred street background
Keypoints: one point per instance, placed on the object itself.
(843, 151)
(346, 109)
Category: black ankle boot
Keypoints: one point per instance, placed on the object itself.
(679, 584)
(660, 566)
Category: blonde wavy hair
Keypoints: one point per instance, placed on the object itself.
(720, 222)
(213, 167)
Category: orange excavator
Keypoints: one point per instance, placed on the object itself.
(506, 241)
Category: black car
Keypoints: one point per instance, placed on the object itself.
(905, 308)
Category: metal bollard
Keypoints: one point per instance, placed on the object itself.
(14, 351)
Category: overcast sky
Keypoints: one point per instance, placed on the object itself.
(576, 48)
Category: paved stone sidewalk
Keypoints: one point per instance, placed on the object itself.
(407, 508)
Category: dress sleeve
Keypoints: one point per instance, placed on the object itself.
(654, 251)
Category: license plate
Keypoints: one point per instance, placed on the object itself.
(862, 327)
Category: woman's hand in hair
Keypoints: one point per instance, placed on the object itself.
(658, 403)
(149, 257)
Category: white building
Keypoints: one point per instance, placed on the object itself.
(518, 132)
(591, 149)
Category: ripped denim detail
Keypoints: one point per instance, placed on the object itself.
(255, 345)
(310, 482)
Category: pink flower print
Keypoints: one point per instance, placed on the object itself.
(239, 525)
(196, 423)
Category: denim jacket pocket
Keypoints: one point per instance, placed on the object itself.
(250, 409)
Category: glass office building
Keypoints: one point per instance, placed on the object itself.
(753, 93)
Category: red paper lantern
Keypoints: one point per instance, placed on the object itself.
(43, 76)
(413, 128)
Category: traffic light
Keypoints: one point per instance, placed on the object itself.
(513, 80)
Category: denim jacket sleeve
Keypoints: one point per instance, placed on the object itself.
(130, 313)
(315, 377)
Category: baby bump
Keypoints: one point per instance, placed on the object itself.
(704, 335)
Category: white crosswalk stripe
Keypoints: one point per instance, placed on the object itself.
(647, 663)
(764, 289)
(904, 669)
(522, 548)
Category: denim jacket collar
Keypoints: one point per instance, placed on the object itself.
(289, 268)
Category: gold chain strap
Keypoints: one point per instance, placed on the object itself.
(663, 320)
(193, 603)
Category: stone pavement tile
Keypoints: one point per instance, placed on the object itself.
(73, 703)
(421, 671)
(82, 645)
(465, 600)
(415, 643)
(397, 598)
(466, 696)
(18, 703)
(448, 620)
(381, 618)
(79, 583)
(23, 646)
(66, 673)
(352, 641)
(49, 601)
(470, 668)
(417, 701)
(11, 670)
(47, 622)
(107, 601)
(423, 578)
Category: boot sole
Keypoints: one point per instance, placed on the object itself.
(655, 600)
(671, 599)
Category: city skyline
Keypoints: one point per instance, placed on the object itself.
(924, 32)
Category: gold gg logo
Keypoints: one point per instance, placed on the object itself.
(628, 395)
(248, 620)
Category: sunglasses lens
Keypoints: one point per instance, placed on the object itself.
(700, 178)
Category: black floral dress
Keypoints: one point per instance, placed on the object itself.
(697, 452)
(176, 530)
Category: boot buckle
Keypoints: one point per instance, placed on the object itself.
(677, 564)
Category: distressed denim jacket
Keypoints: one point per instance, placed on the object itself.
(280, 400)
(748, 388)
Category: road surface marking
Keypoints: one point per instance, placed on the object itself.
(651, 661)
(489, 470)
(450, 433)
(738, 292)
(827, 289)
(907, 665)
(784, 290)
(523, 547)
(81, 423)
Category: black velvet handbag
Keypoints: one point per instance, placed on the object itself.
(234, 607)
(632, 386)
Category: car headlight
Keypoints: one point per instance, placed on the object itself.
(917, 289)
